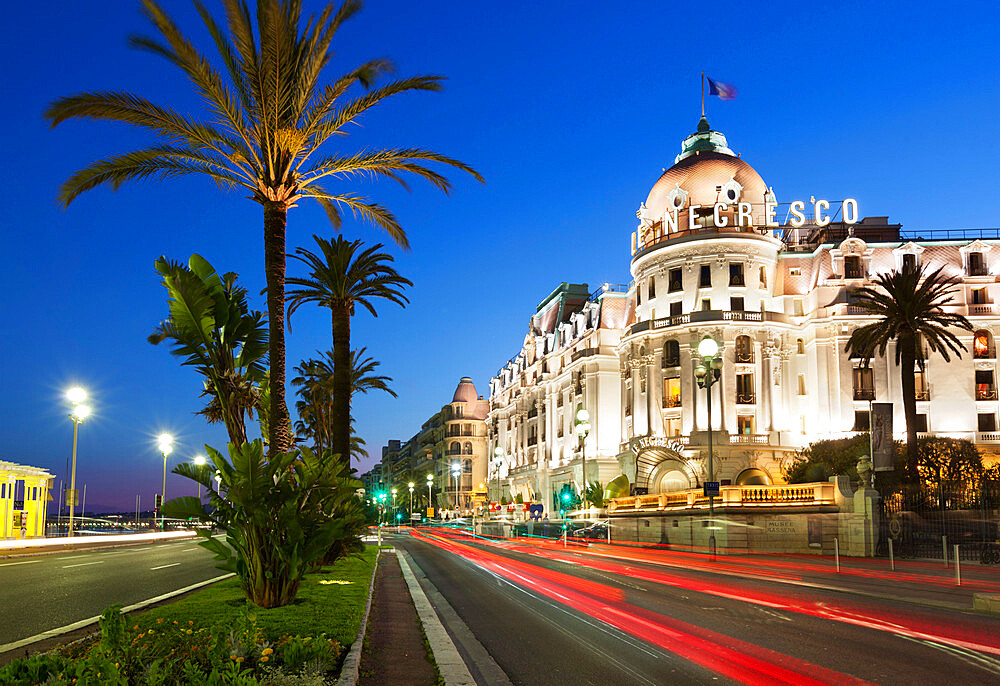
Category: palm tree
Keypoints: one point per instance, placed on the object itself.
(342, 276)
(315, 388)
(268, 113)
(212, 327)
(909, 305)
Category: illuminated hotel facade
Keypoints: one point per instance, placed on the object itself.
(709, 259)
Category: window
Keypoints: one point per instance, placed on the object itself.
(744, 349)
(652, 287)
(744, 389)
(795, 271)
(982, 345)
(852, 267)
(909, 262)
(802, 384)
(763, 277)
(921, 423)
(467, 448)
(672, 426)
(3, 491)
(802, 423)
(797, 307)
(985, 390)
(671, 392)
(671, 354)
(459, 411)
(706, 304)
(638, 295)
(705, 278)
(736, 304)
(862, 421)
(864, 383)
(736, 274)
(744, 424)
(675, 309)
(676, 284)
(987, 421)
(454, 448)
(920, 390)
(977, 264)
(978, 296)
(800, 346)
(467, 466)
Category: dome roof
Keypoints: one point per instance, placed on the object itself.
(705, 170)
(466, 391)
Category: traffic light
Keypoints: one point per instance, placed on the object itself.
(158, 501)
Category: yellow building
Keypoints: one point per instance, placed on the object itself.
(24, 494)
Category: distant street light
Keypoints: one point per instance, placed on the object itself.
(75, 395)
(582, 430)
(411, 501)
(165, 444)
(497, 461)
(456, 469)
(430, 482)
(200, 461)
(707, 373)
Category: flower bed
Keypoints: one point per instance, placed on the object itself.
(213, 636)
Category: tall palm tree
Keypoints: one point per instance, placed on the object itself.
(341, 277)
(212, 327)
(267, 114)
(909, 306)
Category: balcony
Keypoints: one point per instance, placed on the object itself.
(744, 355)
(749, 439)
(532, 440)
(980, 309)
(746, 398)
(864, 394)
(986, 392)
(922, 395)
(672, 401)
(988, 437)
(707, 316)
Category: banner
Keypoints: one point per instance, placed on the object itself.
(881, 426)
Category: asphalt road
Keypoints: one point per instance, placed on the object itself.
(678, 633)
(45, 592)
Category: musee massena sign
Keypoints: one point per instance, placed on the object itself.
(636, 445)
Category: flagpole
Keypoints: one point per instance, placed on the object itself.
(703, 94)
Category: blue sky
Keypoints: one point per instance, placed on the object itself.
(570, 111)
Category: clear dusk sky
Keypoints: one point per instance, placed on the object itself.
(570, 111)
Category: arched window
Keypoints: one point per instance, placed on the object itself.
(671, 354)
(467, 448)
(454, 448)
(800, 346)
(982, 345)
(744, 349)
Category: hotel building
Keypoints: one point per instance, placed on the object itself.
(709, 259)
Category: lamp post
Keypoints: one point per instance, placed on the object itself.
(707, 373)
(411, 500)
(80, 412)
(165, 444)
(582, 429)
(430, 482)
(200, 461)
(456, 469)
(395, 514)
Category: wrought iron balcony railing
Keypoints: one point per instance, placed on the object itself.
(864, 394)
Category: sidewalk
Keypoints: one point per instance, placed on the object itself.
(394, 651)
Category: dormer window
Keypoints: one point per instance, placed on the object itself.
(977, 264)
(852, 267)
(909, 262)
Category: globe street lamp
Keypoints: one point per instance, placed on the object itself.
(411, 500)
(165, 444)
(395, 515)
(582, 429)
(456, 469)
(707, 373)
(497, 461)
(75, 395)
(200, 461)
(430, 482)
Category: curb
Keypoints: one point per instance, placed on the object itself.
(454, 671)
(986, 602)
(352, 663)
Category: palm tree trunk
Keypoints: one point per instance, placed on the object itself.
(907, 358)
(279, 427)
(341, 410)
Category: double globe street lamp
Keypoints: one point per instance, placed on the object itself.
(165, 444)
(498, 455)
(200, 461)
(430, 482)
(707, 373)
(76, 396)
(411, 500)
(582, 430)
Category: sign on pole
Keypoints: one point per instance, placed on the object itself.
(711, 488)
(881, 427)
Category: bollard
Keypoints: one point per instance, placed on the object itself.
(609, 533)
(944, 548)
(892, 560)
(564, 537)
(836, 552)
(958, 568)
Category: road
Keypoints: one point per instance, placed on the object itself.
(552, 616)
(45, 592)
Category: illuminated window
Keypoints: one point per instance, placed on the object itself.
(985, 388)
(852, 267)
(744, 389)
(802, 384)
(744, 424)
(982, 345)
(864, 383)
(920, 390)
(978, 296)
(705, 277)
(672, 426)
(671, 392)
(987, 421)
(652, 287)
(744, 349)
(763, 277)
(800, 346)
(676, 284)
(706, 304)
(671, 354)
(795, 271)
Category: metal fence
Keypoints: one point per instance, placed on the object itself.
(925, 522)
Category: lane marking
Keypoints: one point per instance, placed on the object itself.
(7, 647)
(84, 564)
(26, 562)
(164, 566)
(71, 557)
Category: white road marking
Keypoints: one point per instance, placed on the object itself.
(71, 557)
(84, 564)
(26, 562)
(174, 564)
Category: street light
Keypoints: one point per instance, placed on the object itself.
(394, 513)
(707, 373)
(165, 444)
(200, 461)
(430, 482)
(497, 461)
(75, 395)
(411, 501)
(582, 429)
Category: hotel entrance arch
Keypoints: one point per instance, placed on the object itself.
(660, 465)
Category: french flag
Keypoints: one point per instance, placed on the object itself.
(725, 91)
